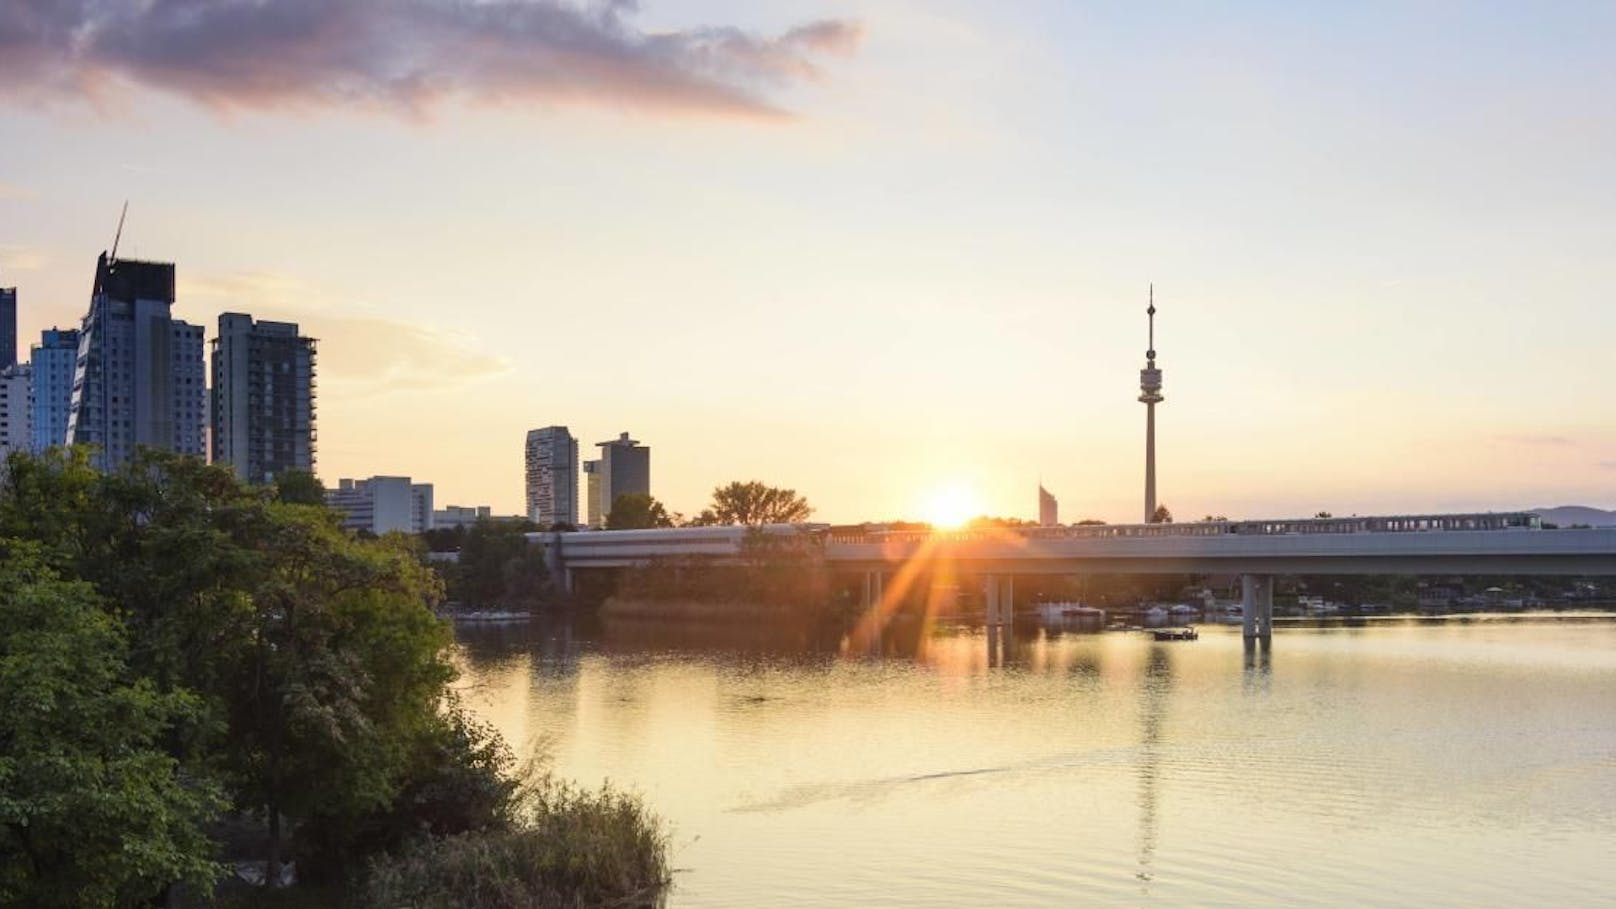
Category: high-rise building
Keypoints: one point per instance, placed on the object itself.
(1150, 383)
(16, 411)
(552, 476)
(624, 467)
(139, 377)
(592, 493)
(1048, 508)
(8, 327)
(383, 504)
(52, 362)
(263, 398)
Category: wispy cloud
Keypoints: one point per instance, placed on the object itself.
(1607, 465)
(1537, 439)
(402, 55)
(21, 258)
(13, 191)
(360, 355)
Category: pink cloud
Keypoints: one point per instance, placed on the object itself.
(401, 55)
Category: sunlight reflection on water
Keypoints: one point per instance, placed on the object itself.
(1397, 763)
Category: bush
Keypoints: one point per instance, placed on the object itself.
(566, 847)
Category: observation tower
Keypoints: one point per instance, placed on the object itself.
(1150, 383)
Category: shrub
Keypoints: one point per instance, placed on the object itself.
(566, 847)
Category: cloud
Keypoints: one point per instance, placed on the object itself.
(1537, 439)
(21, 258)
(400, 55)
(359, 356)
(1607, 465)
(13, 191)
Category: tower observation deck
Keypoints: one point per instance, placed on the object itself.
(1150, 383)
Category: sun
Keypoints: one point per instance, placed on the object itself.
(951, 506)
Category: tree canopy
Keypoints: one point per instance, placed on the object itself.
(1161, 515)
(299, 487)
(92, 810)
(206, 635)
(754, 503)
(637, 511)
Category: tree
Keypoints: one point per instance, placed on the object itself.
(92, 811)
(754, 503)
(1324, 514)
(637, 511)
(299, 487)
(253, 643)
(497, 567)
(1161, 515)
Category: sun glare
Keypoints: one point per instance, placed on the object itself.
(951, 506)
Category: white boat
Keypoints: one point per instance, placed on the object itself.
(1057, 613)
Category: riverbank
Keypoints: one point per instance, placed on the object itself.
(689, 610)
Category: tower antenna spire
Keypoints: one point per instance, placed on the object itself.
(1150, 352)
(113, 256)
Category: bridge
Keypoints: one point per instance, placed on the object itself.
(1257, 551)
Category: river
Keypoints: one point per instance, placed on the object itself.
(1403, 762)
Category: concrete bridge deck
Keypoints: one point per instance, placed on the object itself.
(1417, 544)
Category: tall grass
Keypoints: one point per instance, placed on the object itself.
(566, 847)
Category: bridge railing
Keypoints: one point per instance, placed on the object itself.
(1372, 524)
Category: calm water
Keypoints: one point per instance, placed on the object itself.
(1402, 763)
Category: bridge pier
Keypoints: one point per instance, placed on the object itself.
(999, 597)
(1257, 606)
(874, 589)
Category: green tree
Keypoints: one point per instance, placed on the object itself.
(92, 811)
(497, 567)
(299, 487)
(754, 503)
(1161, 515)
(637, 511)
(341, 671)
(312, 670)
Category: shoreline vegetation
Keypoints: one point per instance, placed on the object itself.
(204, 677)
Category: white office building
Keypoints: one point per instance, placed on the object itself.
(16, 411)
(383, 504)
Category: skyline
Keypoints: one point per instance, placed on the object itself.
(869, 295)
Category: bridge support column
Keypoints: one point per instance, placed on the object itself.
(874, 589)
(1257, 606)
(999, 598)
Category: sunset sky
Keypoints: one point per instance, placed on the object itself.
(880, 252)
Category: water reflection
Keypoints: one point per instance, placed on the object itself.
(1153, 699)
(1258, 663)
(1467, 763)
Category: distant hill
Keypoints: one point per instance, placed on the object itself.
(1566, 515)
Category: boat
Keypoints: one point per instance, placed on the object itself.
(1187, 633)
(489, 615)
(1070, 613)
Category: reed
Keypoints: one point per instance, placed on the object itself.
(567, 847)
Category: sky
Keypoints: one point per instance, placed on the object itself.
(884, 253)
